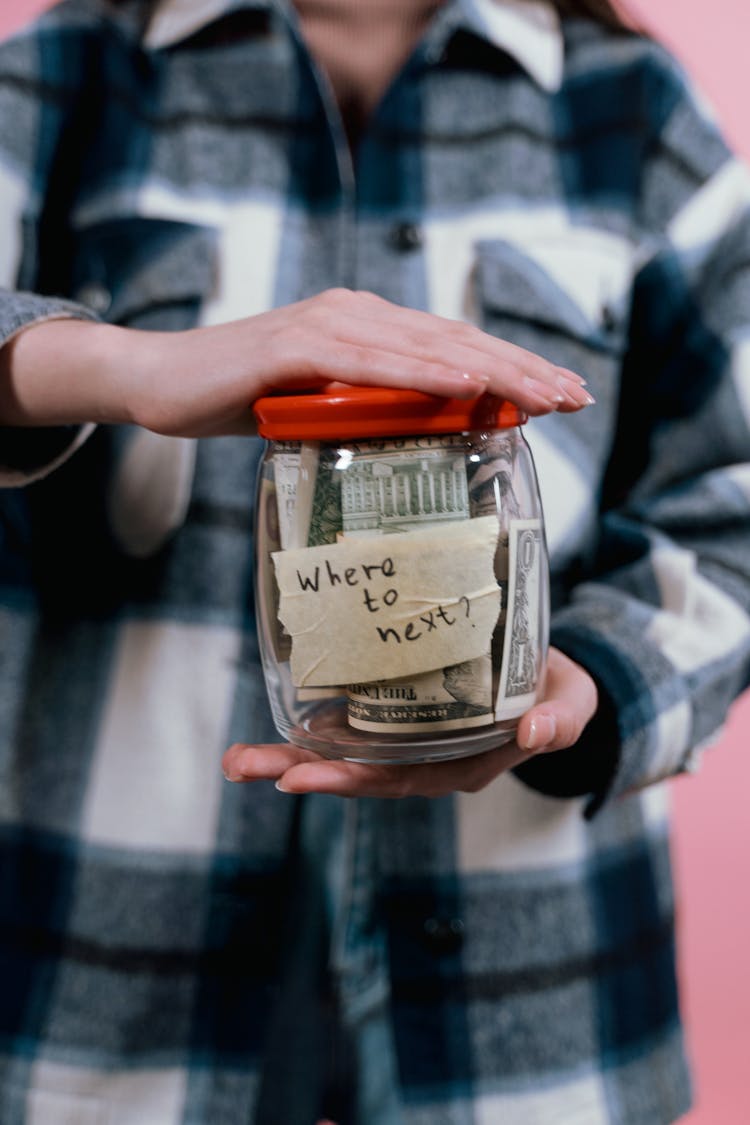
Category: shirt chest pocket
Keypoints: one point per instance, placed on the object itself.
(145, 272)
(565, 298)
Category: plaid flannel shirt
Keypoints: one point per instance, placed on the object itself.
(175, 949)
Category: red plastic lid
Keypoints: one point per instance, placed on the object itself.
(350, 412)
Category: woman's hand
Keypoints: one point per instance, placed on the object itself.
(552, 724)
(203, 381)
(343, 336)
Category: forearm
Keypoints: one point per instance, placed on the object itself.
(64, 372)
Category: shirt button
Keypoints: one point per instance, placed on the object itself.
(608, 319)
(434, 55)
(95, 296)
(406, 237)
(444, 935)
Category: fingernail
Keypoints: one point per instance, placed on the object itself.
(542, 729)
(280, 786)
(229, 777)
(576, 393)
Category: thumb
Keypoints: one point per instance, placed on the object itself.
(570, 702)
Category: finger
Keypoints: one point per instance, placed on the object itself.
(461, 371)
(461, 345)
(360, 365)
(263, 762)
(424, 779)
(364, 365)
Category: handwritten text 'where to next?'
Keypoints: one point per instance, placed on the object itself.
(366, 609)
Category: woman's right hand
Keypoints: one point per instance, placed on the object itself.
(203, 381)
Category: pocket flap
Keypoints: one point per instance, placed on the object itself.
(560, 288)
(125, 268)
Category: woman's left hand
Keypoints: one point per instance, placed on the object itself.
(554, 723)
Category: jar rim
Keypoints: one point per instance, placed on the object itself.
(340, 411)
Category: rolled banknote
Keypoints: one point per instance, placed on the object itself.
(520, 665)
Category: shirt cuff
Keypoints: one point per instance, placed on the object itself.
(30, 453)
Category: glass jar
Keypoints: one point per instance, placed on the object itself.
(401, 572)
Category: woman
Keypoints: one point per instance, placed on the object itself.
(207, 203)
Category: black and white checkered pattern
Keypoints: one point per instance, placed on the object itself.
(503, 958)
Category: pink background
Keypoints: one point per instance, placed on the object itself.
(712, 831)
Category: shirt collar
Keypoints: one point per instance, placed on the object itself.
(529, 30)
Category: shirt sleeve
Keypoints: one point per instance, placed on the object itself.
(661, 616)
(42, 80)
